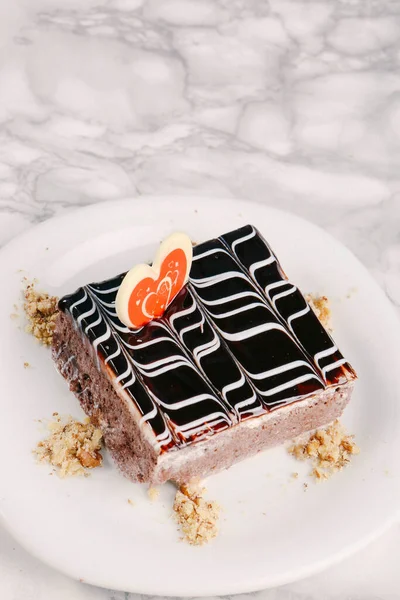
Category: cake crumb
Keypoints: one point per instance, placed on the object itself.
(41, 311)
(131, 502)
(197, 517)
(26, 365)
(329, 450)
(295, 475)
(153, 493)
(72, 446)
(351, 292)
(319, 474)
(320, 305)
(14, 316)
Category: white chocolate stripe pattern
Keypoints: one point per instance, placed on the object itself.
(227, 349)
(289, 304)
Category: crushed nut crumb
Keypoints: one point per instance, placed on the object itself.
(71, 446)
(153, 493)
(41, 311)
(197, 517)
(329, 450)
(131, 502)
(351, 292)
(321, 307)
(26, 365)
(295, 475)
(319, 474)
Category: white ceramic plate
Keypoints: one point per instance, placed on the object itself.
(272, 531)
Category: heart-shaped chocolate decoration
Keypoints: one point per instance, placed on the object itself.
(145, 291)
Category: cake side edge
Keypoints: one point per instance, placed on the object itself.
(250, 437)
(132, 452)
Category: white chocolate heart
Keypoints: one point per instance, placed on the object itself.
(167, 287)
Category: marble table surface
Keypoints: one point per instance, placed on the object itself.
(292, 103)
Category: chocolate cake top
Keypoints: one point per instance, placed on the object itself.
(238, 341)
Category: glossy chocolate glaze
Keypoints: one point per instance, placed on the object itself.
(237, 342)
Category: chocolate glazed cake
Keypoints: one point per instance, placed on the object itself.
(237, 363)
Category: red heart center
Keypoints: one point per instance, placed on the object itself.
(150, 297)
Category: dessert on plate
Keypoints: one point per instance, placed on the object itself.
(200, 361)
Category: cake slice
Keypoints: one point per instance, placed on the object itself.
(237, 363)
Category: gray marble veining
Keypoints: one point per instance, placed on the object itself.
(291, 103)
